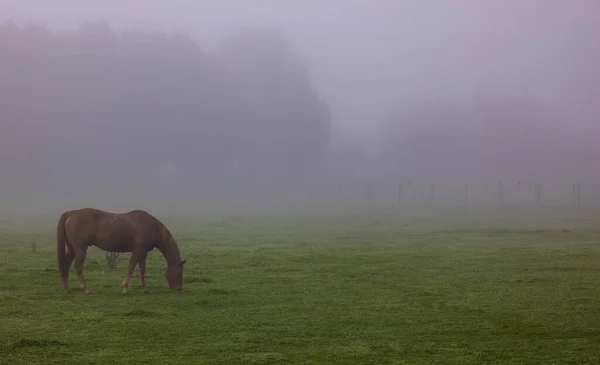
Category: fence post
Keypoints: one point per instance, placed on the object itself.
(399, 193)
(370, 193)
(538, 193)
(311, 194)
(432, 194)
(500, 193)
(466, 195)
(576, 194)
(339, 194)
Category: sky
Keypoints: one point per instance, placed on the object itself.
(367, 56)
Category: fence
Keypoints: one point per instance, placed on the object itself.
(380, 193)
(415, 193)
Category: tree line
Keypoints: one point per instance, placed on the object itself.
(96, 107)
(146, 113)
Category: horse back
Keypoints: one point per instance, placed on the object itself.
(113, 231)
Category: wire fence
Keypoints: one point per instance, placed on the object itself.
(467, 194)
(343, 194)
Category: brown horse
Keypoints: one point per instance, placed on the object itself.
(137, 232)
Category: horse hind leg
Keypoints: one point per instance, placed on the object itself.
(142, 263)
(69, 257)
(79, 260)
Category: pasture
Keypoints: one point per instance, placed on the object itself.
(364, 286)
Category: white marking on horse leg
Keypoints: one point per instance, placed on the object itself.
(125, 283)
(133, 260)
(79, 260)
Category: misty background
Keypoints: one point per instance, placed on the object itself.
(166, 104)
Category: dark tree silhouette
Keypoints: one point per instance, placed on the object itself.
(92, 107)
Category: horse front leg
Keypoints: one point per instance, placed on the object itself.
(142, 263)
(133, 261)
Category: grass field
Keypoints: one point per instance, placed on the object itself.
(363, 287)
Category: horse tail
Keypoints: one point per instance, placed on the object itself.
(61, 241)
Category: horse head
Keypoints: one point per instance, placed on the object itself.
(174, 275)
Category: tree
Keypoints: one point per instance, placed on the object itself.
(283, 121)
(93, 109)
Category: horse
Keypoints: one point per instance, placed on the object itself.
(136, 231)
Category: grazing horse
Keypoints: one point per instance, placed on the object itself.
(137, 232)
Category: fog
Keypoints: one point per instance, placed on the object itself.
(166, 104)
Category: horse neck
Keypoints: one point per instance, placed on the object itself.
(170, 252)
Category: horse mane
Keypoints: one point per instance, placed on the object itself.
(168, 247)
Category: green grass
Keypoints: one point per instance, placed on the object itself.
(365, 287)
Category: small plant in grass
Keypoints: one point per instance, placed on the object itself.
(111, 260)
(33, 247)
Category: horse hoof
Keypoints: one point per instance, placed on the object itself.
(88, 292)
(145, 291)
(124, 292)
